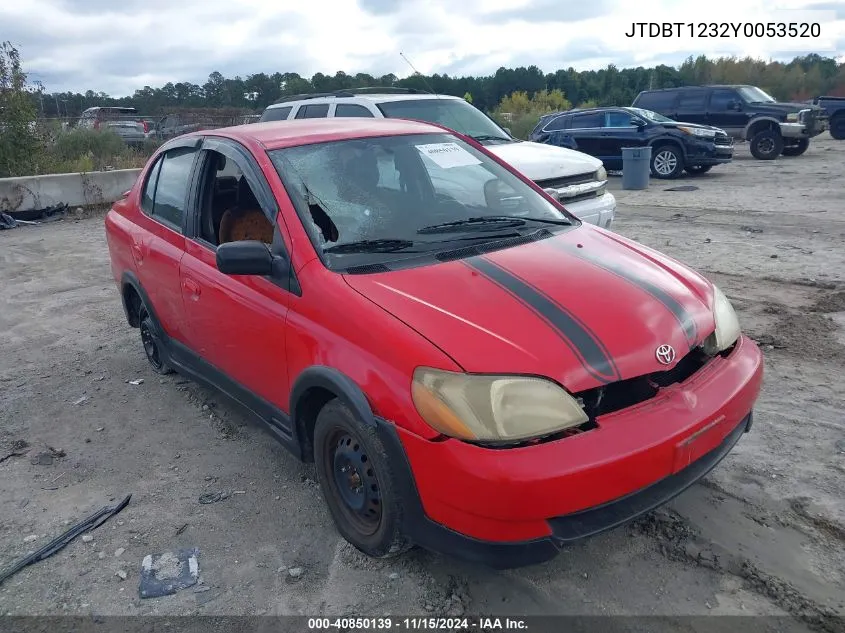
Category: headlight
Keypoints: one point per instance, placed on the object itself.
(493, 408)
(727, 324)
(601, 173)
(792, 117)
(697, 131)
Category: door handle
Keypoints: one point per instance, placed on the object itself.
(192, 288)
(137, 254)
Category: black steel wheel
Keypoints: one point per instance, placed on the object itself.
(837, 127)
(151, 343)
(357, 483)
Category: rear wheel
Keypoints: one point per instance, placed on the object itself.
(357, 482)
(796, 149)
(766, 145)
(667, 162)
(151, 343)
(837, 127)
(695, 170)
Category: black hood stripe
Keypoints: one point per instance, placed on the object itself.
(684, 318)
(583, 342)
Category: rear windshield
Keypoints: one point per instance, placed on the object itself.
(373, 200)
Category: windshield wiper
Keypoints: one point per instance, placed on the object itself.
(384, 245)
(489, 222)
(490, 137)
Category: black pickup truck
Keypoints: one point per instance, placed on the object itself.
(746, 113)
(834, 109)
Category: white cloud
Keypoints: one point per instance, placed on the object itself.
(117, 47)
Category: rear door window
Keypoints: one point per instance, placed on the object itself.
(662, 101)
(352, 110)
(276, 114)
(587, 121)
(169, 184)
(313, 111)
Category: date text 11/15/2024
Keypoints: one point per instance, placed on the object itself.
(416, 624)
(725, 29)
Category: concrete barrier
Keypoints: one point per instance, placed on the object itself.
(31, 193)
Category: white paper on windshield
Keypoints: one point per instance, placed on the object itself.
(448, 155)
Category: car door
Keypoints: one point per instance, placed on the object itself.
(692, 106)
(618, 132)
(237, 322)
(159, 244)
(586, 130)
(724, 110)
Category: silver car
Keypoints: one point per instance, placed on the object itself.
(125, 122)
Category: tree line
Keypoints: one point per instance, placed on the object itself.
(802, 78)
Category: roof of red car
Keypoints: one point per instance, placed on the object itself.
(277, 134)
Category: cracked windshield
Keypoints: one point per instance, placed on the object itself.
(408, 194)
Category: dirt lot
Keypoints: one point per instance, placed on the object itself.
(763, 534)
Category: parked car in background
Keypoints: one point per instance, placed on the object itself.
(125, 122)
(578, 180)
(505, 379)
(834, 110)
(747, 113)
(170, 126)
(603, 132)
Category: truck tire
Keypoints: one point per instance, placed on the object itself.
(837, 126)
(667, 162)
(797, 149)
(767, 145)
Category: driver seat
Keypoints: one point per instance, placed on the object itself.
(246, 220)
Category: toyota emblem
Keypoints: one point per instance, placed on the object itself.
(665, 354)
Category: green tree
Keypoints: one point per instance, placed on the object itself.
(20, 146)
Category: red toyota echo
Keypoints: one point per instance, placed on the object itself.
(471, 368)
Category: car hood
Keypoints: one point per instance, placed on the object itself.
(585, 307)
(692, 125)
(543, 162)
(786, 107)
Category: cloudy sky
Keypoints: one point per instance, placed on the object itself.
(117, 46)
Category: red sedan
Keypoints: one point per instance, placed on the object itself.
(471, 368)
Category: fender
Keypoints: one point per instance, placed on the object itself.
(757, 120)
(669, 140)
(130, 279)
(339, 384)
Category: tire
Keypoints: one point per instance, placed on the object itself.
(797, 149)
(837, 127)
(767, 145)
(697, 170)
(366, 507)
(151, 344)
(667, 162)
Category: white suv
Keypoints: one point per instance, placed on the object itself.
(579, 181)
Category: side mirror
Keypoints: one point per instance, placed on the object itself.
(638, 123)
(733, 104)
(500, 196)
(246, 257)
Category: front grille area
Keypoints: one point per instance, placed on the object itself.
(724, 140)
(626, 393)
(560, 183)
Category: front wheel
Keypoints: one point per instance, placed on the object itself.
(357, 482)
(798, 148)
(766, 145)
(696, 170)
(667, 162)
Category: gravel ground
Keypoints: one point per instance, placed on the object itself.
(764, 534)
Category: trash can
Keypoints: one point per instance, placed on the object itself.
(636, 167)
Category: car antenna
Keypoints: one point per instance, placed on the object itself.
(427, 85)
